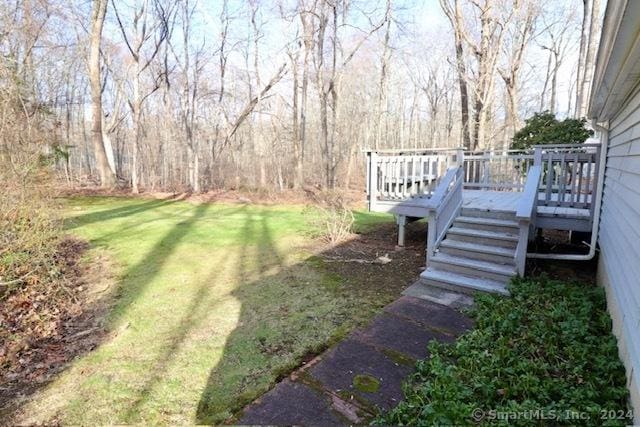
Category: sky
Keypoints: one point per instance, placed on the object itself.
(424, 27)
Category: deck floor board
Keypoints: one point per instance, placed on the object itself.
(505, 201)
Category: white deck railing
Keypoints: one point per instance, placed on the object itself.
(569, 172)
(502, 171)
(394, 175)
(569, 175)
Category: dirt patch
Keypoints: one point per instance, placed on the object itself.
(46, 327)
(372, 263)
(562, 242)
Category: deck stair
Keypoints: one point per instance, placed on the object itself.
(477, 253)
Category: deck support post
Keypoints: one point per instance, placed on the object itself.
(521, 248)
(431, 236)
(373, 180)
(537, 156)
(401, 220)
(460, 157)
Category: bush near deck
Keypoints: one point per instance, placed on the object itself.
(549, 347)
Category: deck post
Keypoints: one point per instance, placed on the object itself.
(460, 157)
(521, 248)
(537, 156)
(431, 236)
(401, 220)
(373, 180)
(593, 185)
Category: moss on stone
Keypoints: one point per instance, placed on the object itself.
(366, 383)
(399, 358)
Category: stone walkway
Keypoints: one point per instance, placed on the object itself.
(350, 382)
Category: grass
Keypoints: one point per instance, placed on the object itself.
(547, 351)
(214, 303)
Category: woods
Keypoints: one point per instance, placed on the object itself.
(155, 95)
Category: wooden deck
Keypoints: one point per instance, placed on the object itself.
(483, 205)
(507, 201)
(496, 201)
(487, 200)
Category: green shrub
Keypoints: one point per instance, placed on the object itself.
(544, 128)
(548, 348)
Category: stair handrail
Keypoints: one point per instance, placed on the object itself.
(442, 189)
(443, 207)
(525, 215)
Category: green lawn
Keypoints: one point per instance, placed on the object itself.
(214, 302)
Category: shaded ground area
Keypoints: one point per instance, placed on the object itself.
(45, 329)
(214, 304)
(362, 374)
(562, 242)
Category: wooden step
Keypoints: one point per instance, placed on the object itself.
(495, 254)
(472, 267)
(462, 283)
(506, 240)
(483, 213)
(489, 224)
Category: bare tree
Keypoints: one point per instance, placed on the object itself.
(588, 41)
(149, 29)
(190, 64)
(384, 75)
(107, 177)
(486, 51)
(187, 108)
(516, 44)
(308, 43)
(329, 76)
(454, 15)
(558, 45)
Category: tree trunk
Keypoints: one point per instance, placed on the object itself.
(308, 47)
(455, 18)
(382, 88)
(107, 177)
(587, 74)
(137, 131)
(554, 85)
(547, 77)
(584, 36)
(297, 143)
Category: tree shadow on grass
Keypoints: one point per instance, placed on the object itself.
(140, 275)
(195, 314)
(256, 254)
(274, 312)
(286, 312)
(292, 312)
(136, 279)
(249, 341)
(115, 213)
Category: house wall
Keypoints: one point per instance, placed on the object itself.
(619, 239)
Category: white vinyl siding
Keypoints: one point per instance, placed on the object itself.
(619, 236)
